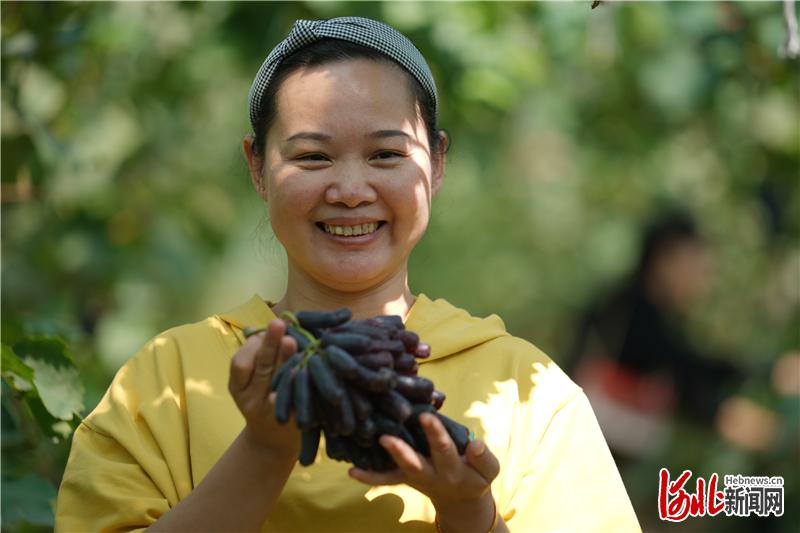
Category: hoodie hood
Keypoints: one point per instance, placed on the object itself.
(448, 329)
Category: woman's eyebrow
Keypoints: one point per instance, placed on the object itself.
(382, 134)
(310, 135)
(316, 136)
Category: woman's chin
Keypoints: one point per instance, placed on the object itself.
(356, 276)
(346, 272)
(351, 281)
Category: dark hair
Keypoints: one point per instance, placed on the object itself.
(329, 51)
(666, 229)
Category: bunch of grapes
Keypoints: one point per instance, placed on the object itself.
(355, 380)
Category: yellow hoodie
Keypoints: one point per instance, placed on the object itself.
(167, 418)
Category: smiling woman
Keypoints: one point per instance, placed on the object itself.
(347, 157)
(347, 147)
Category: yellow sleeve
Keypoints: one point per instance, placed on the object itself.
(105, 488)
(129, 460)
(572, 483)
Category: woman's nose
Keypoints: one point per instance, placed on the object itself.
(351, 186)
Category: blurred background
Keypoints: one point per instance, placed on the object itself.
(618, 177)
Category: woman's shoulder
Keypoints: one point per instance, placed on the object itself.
(191, 353)
(460, 340)
(450, 329)
(204, 338)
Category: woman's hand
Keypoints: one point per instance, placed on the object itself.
(459, 487)
(242, 487)
(252, 368)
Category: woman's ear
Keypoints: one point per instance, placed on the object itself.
(255, 163)
(439, 162)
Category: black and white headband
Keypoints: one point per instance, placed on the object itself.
(366, 32)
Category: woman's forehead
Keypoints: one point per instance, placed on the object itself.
(356, 92)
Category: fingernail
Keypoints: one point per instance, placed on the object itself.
(480, 448)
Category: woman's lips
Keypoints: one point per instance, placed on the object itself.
(349, 230)
(352, 233)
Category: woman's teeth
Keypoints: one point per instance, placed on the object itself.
(351, 231)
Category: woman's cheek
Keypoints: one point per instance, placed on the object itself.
(289, 194)
(417, 218)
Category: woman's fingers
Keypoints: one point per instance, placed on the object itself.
(259, 357)
(407, 459)
(482, 460)
(444, 455)
(267, 355)
(243, 363)
(287, 348)
(393, 477)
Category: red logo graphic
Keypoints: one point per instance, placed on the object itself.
(676, 504)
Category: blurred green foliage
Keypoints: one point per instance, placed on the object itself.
(42, 393)
(127, 206)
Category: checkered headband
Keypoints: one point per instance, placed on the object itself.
(366, 32)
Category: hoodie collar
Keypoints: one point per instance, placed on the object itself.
(448, 329)
(255, 313)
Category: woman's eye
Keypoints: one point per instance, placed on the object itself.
(311, 157)
(387, 155)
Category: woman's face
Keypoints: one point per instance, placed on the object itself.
(347, 173)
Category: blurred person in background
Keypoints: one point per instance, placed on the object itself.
(637, 365)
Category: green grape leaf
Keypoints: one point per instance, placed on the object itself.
(42, 417)
(28, 500)
(54, 374)
(16, 373)
(44, 348)
(62, 429)
(60, 387)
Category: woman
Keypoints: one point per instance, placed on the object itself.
(347, 156)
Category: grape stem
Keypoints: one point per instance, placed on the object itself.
(310, 351)
(313, 342)
(291, 318)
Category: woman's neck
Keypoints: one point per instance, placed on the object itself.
(390, 297)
